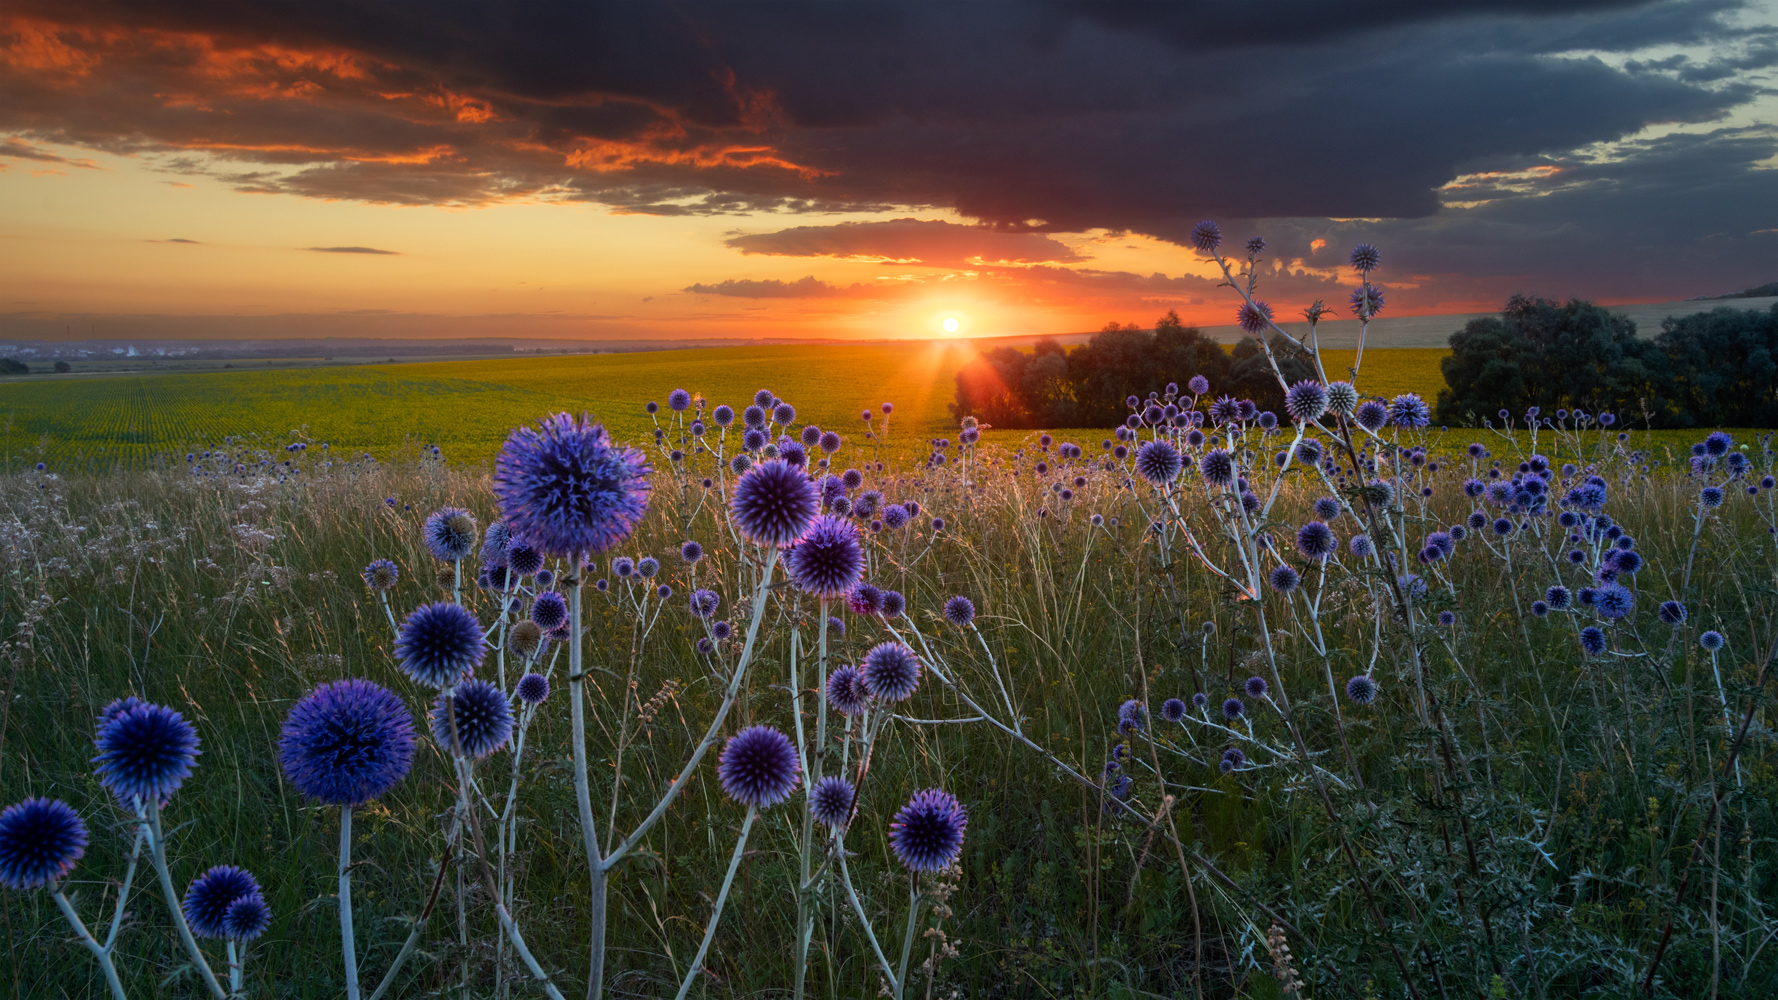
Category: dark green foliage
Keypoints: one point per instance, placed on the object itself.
(64, 367)
(1251, 375)
(13, 366)
(1720, 369)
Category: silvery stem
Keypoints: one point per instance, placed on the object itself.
(157, 844)
(100, 952)
(734, 864)
(123, 893)
(583, 795)
(234, 969)
(348, 949)
(907, 943)
(839, 847)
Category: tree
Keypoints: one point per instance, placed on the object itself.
(13, 366)
(1719, 368)
(1251, 375)
(64, 367)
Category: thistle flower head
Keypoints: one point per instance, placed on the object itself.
(145, 753)
(722, 629)
(211, 894)
(1710, 497)
(1173, 709)
(381, 575)
(891, 672)
(1200, 700)
(1371, 415)
(1284, 579)
(927, 833)
(1233, 759)
(1712, 640)
(1131, 716)
(1592, 641)
(1158, 462)
(524, 638)
(845, 691)
(774, 503)
(895, 516)
(1256, 687)
(1342, 398)
(1365, 257)
(723, 415)
(865, 599)
(1718, 444)
(704, 603)
(1614, 600)
(1361, 689)
(1254, 316)
(522, 559)
(1360, 546)
(960, 611)
(828, 560)
(246, 918)
(1306, 401)
(1672, 613)
(1409, 410)
(533, 689)
(1217, 467)
(1367, 300)
(567, 489)
(1315, 540)
(1232, 709)
(758, 767)
(1447, 618)
(449, 533)
(483, 717)
(347, 742)
(893, 604)
(549, 610)
(438, 644)
(40, 839)
(830, 801)
(1206, 236)
(1198, 385)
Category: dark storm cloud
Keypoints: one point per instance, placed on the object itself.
(930, 242)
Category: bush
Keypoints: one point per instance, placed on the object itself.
(1720, 368)
(13, 366)
(64, 367)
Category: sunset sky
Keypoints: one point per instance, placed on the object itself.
(863, 170)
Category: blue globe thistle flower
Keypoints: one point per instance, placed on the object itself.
(705, 646)
(1409, 410)
(1362, 689)
(533, 689)
(1284, 579)
(381, 575)
(449, 533)
(1367, 300)
(1256, 687)
(765, 399)
(1712, 640)
(1586, 596)
(567, 490)
(938, 524)
(793, 454)
(1614, 601)
(1672, 613)
(117, 707)
(1365, 257)
(1131, 716)
(1442, 541)
(1625, 561)
(651, 407)
(1718, 444)
(758, 767)
(891, 672)
(1268, 420)
(438, 644)
(723, 415)
(1315, 540)
(829, 558)
(810, 435)
(831, 800)
(145, 753)
(1158, 462)
(347, 742)
(1207, 236)
(647, 567)
(1592, 641)
(40, 839)
(1458, 532)
(895, 516)
(484, 718)
(867, 503)
(549, 610)
(1232, 709)
(784, 413)
(722, 629)
(1502, 526)
(774, 503)
(663, 591)
(1540, 608)
(1200, 700)
(1198, 385)
(1447, 618)
(624, 567)
(960, 611)
(893, 604)
(852, 479)
(1371, 415)
(846, 693)
(1233, 759)
(740, 463)
(704, 603)
(927, 833)
(211, 894)
(1254, 316)
(1173, 710)
(1710, 496)
(1360, 546)
(1217, 467)
(753, 417)
(1327, 508)
(830, 442)
(522, 559)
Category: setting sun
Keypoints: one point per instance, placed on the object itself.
(950, 324)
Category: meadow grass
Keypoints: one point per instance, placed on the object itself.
(1536, 853)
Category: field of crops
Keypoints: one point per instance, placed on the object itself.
(91, 423)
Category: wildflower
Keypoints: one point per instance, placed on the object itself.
(774, 503)
(449, 533)
(1371, 415)
(704, 603)
(1360, 546)
(381, 575)
(1200, 700)
(784, 413)
(758, 767)
(1367, 300)
(1540, 608)
(893, 604)
(1232, 709)
(1718, 444)
(1206, 236)
(210, 896)
(1672, 613)
(865, 599)
(1315, 540)
(1447, 618)
(1327, 508)
(830, 801)
(1712, 640)
(891, 672)
(483, 716)
(533, 689)
(566, 489)
(145, 752)
(894, 516)
(1592, 641)
(1365, 258)
(1362, 690)
(1342, 398)
(1614, 601)
(1254, 316)
(1284, 579)
(549, 610)
(1173, 710)
(1198, 385)
(439, 643)
(960, 611)
(40, 839)
(1255, 687)
(722, 629)
(1409, 410)
(1158, 462)
(1710, 496)
(927, 834)
(1218, 467)
(845, 691)
(347, 742)
(1131, 716)
(723, 415)
(1233, 759)
(522, 559)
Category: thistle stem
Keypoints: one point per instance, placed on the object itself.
(348, 949)
(158, 847)
(100, 952)
(734, 864)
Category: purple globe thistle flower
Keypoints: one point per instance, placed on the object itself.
(624, 567)
(740, 463)
(793, 453)
(1173, 710)
(758, 767)
(1540, 608)
(784, 413)
(1718, 444)
(960, 611)
(1409, 410)
(893, 604)
(483, 715)
(1315, 540)
(1131, 716)
(1586, 596)
(1255, 687)
(1198, 385)
(1360, 546)
(927, 833)
(723, 415)
(1365, 257)
(765, 399)
(846, 692)
(1362, 690)
(829, 442)
(1256, 246)
(522, 559)
(1712, 640)
(1327, 508)
(705, 647)
(1206, 236)
(1268, 420)
(1372, 415)
(211, 894)
(40, 839)
(1503, 526)
(567, 490)
(865, 599)
(1306, 401)
(753, 417)
(831, 800)
(1233, 759)
(1254, 316)
(1672, 613)
(1342, 398)
(1614, 600)
(938, 524)
(704, 603)
(663, 591)
(1200, 700)
(1232, 709)
(774, 503)
(1217, 467)
(651, 407)
(891, 672)
(647, 567)
(894, 516)
(1367, 300)
(722, 629)
(1447, 618)
(1710, 496)
(549, 610)
(851, 479)
(145, 752)
(1245, 409)
(867, 503)
(829, 559)
(678, 400)
(347, 742)
(1158, 462)
(381, 575)
(449, 533)
(438, 644)
(1592, 641)
(533, 689)
(1284, 579)
(117, 707)
(810, 435)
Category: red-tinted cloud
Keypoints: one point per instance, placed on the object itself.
(910, 241)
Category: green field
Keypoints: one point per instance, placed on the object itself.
(467, 407)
